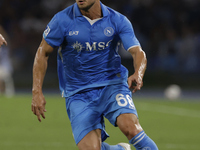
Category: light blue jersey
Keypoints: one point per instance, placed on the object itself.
(88, 55)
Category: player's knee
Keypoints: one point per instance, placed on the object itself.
(92, 141)
(132, 132)
(129, 125)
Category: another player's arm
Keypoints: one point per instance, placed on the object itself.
(39, 71)
(135, 81)
(3, 35)
(2, 40)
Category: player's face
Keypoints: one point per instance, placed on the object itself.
(85, 4)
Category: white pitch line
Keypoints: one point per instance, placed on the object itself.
(169, 110)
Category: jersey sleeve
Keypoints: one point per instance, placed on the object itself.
(53, 34)
(127, 35)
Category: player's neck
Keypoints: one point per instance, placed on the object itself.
(94, 12)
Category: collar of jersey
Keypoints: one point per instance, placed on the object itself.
(77, 12)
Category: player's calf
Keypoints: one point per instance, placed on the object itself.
(129, 125)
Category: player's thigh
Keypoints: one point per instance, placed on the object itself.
(92, 141)
(84, 116)
(119, 101)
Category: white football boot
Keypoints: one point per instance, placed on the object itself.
(126, 146)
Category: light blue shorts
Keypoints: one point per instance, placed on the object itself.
(87, 109)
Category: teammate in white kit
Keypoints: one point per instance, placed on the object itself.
(91, 77)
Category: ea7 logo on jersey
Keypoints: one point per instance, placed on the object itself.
(73, 33)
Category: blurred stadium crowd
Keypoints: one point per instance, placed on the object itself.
(168, 30)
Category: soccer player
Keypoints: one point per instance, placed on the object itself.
(6, 79)
(2, 40)
(91, 77)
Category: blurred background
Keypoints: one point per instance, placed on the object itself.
(168, 30)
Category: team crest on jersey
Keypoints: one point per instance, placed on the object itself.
(109, 31)
(77, 46)
(47, 30)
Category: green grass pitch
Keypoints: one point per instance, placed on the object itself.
(172, 125)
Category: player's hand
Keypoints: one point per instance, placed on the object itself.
(38, 105)
(2, 40)
(135, 82)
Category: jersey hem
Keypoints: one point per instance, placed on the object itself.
(105, 83)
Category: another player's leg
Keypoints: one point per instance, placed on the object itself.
(129, 125)
(92, 141)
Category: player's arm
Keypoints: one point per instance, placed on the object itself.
(135, 81)
(3, 36)
(39, 71)
(2, 40)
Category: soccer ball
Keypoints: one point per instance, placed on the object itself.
(173, 92)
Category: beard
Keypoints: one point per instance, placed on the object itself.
(86, 8)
